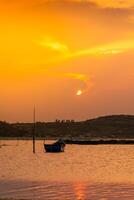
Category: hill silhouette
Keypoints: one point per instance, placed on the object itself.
(114, 126)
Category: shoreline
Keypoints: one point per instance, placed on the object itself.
(80, 141)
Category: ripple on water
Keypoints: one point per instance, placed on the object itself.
(67, 191)
(81, 173)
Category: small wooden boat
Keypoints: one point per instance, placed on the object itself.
(56, 147)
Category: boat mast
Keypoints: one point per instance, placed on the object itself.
(34, 130)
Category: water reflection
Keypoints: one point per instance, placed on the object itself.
(65, 191)
(79, 190)
(80, 173)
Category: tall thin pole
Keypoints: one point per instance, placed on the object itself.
(34, 130)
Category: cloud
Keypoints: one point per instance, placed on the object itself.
(85, 82)
(63, 31)
(66, 53)
(108, 49)
(110, 3)
(53, 45)
(101, 3)
(81, 77)
(115, 3)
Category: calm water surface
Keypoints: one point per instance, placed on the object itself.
(80, 173)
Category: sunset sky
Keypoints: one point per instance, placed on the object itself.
(72, 59)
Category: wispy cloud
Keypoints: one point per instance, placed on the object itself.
(100, 3)
(66, 53)
(81, 77)
(53, 45)
(107, 49)
(110, 3)
(85, 82)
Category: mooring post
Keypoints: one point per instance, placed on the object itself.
(34, 124)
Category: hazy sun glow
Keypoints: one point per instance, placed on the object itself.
(79, 92)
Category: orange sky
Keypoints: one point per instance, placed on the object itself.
(71, 59)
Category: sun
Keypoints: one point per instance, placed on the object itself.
(79, 92)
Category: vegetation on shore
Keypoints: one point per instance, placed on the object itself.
(115, 126)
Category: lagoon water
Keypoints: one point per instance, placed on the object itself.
(103, 172)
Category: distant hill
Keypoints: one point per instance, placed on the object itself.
(114, 126)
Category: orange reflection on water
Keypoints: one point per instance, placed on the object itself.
(79, 190)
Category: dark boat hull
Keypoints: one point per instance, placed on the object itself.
(54, 148)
